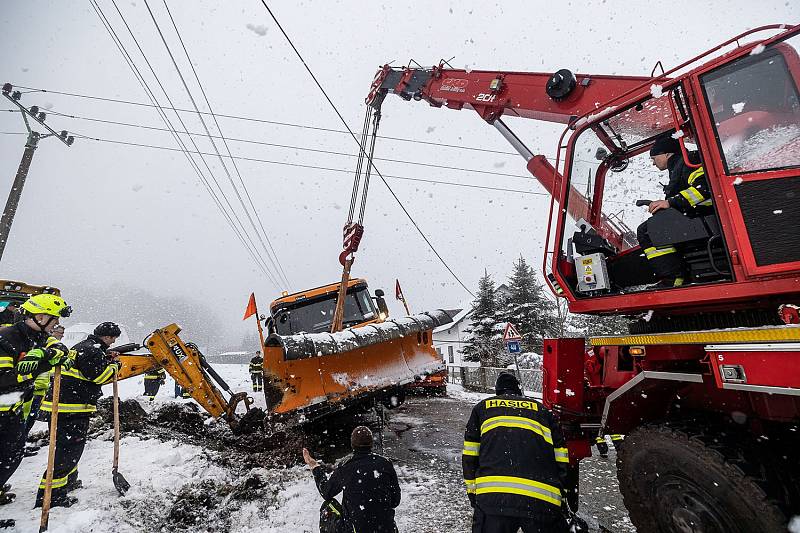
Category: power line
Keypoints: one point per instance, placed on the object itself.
(137, 74)
(225, 142)
(294, 147)
(232, 211)
(273, 122)
(313, 167)
(361, 148)
(274, 261)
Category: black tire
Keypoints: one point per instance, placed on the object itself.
(672, 482)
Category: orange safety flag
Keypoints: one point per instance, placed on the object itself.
(251, 307)
(398, 292)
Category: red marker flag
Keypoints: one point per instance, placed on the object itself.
(398, 292)
(251, 307)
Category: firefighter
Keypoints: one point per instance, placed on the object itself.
(515, 464)
(80, 389)
(8, 313)
(602, 445)
(23, 357)
(257, 372)
(369, 485)
(688, 192)
(40, 385)
(153, 381)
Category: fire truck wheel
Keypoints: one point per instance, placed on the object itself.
(672, 482)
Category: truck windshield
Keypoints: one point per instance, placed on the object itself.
(756, 108)
(315, 315)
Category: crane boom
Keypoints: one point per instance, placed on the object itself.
(561, 97)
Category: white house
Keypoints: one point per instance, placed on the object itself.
(450, 338)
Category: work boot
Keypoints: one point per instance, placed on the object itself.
(7, 523)
(30, 451)
(62, 501)
(6, 497)
(668, 283)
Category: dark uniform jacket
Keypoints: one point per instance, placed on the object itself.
(514, 458)
(15, 342)
(371, 491)
(81, 385)
(687, 190)
(256, 365)
(158, 373)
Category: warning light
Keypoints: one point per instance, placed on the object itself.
(636, 350)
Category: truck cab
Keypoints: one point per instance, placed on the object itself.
(311, 311)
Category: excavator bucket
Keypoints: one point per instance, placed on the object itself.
(311, 375)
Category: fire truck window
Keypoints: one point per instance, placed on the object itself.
(582, 173)
(756, 108)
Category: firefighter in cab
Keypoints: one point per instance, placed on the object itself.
(515, 464)
(153, 381)
(257, 372)
(81, 386)
(687, 192)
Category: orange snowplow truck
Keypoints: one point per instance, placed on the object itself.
(706, 387)
(309, 372)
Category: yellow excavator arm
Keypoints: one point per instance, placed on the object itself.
(189, 368)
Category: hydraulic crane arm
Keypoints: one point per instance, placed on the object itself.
(189, 368)
(562, 97)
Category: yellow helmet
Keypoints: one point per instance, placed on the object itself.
(47, 304)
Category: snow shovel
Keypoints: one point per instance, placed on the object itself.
(51, 454)
(120, 483)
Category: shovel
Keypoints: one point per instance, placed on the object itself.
(120, 483)
(51, 454)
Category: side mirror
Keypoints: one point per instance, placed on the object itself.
(382, 307)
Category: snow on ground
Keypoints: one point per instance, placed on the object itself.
(161, 474)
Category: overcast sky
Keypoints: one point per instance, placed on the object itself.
(107, 214)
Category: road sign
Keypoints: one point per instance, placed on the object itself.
(513, 347)
(511, 333)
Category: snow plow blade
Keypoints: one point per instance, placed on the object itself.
(311, 375)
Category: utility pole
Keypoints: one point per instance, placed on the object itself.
(27, 156)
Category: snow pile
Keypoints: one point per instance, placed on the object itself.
(305, 345)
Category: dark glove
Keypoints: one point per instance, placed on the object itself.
(471, 497)
(58, 354)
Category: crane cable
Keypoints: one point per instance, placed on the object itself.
(372, 163)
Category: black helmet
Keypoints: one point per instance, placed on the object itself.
(107, 329)
(508, 383)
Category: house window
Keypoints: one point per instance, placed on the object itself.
(450, 354)
(439, 351)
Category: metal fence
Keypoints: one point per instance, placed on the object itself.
(483, 378)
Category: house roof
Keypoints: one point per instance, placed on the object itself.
(461, 314)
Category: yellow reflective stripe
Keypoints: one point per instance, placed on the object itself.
(106, 375)
(653, 252)
(517, 422)
(562, 455)
(69, 407)
(6, 362)
(470, 486)
(693, 196)
(617, 437)
(74, 373)
(58, 482)
(471, 448)
(600, 439)
(152, 377)
(696, 174)
(518, 485)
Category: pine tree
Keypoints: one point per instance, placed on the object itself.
(597, 326)
(484, 345)
(529, 308)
